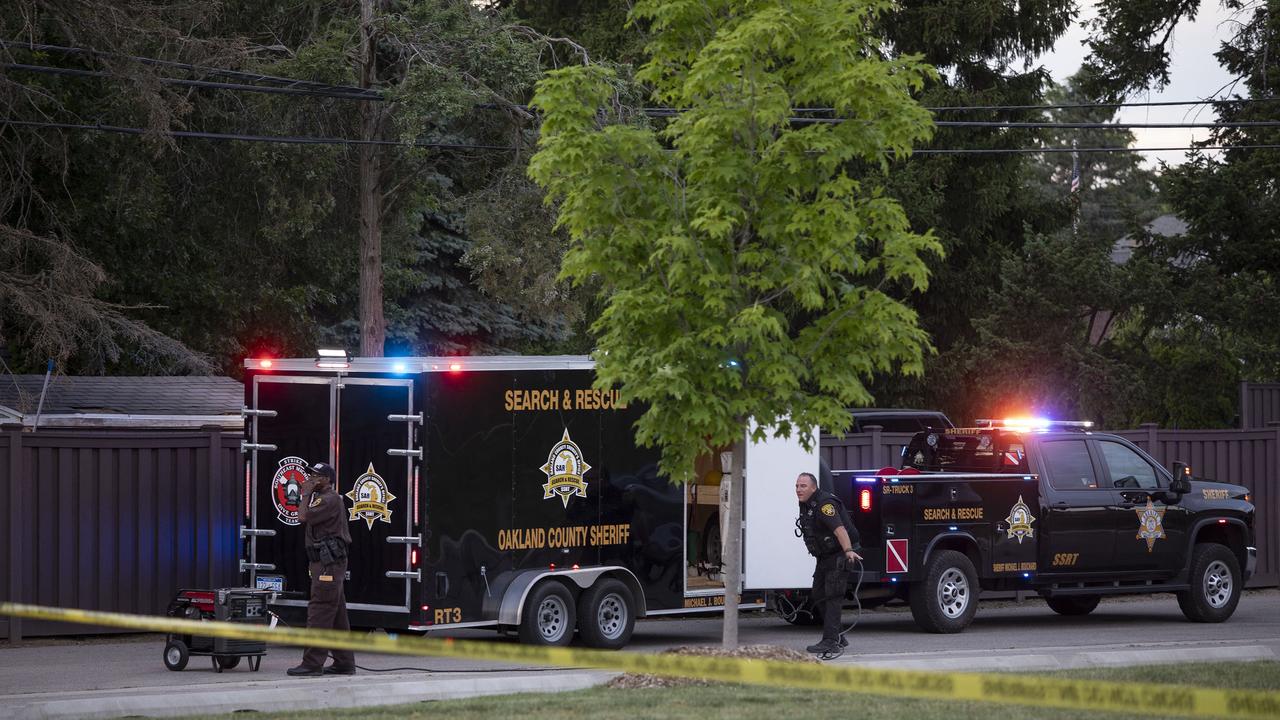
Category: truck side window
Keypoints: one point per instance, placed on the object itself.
(1068, 465)
(1126, 468)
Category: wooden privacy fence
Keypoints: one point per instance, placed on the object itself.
(1244, 457)
(115, 519)
(1259, 404)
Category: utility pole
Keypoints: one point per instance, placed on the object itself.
(373, 324)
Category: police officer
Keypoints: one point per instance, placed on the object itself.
(830, 537)
(321, 510)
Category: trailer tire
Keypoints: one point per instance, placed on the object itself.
(1215, 584)
(947, 599)
(549, 615)
(1073, 605)
(606, 615)
(176, 655)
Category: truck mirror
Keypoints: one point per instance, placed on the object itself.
(1181, 478)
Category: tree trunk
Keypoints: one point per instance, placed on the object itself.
(373, 324)
(733, 545)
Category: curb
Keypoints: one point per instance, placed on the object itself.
(301, 694)
(1065, 660)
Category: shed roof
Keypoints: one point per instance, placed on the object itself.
(169, 395)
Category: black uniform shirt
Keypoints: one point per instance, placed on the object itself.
(323, 516)
(826, 513)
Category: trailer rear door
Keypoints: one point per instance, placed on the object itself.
(365, 427)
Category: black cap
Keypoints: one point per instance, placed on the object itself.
(323, 469)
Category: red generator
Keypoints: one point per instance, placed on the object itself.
(237, 605)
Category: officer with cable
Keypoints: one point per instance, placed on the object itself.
(830, 536)
(322, 511)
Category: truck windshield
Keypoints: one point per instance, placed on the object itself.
(975, 451)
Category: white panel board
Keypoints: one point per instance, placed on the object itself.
(773, 557)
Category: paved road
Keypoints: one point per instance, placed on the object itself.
(1004, 636)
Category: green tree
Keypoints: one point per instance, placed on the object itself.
(1225, 271)
(745, 274)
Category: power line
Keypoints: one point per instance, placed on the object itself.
(365, 93)
(1036, 151)
(281, 139)
(358, 93)
(310, 140)
(281, 90)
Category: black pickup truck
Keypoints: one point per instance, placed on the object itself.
(1056, 509)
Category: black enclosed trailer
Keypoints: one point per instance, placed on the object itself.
(500, 492)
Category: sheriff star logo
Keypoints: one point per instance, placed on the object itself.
(1020, 520)
(1150, 523)
(564, 470)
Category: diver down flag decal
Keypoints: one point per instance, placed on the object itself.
(895, 556)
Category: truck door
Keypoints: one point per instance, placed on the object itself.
(1078, 529)
(1151, 535)
(292, 427)
(376, 452)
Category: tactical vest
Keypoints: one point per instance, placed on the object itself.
(817, 539)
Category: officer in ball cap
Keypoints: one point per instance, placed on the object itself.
(321, 510)
(830, 536)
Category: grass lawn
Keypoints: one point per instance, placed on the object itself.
(734, 702)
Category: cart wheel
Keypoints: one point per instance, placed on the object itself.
(176, 655)
(227, 663)
(255, 663)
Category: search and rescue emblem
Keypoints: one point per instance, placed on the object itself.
(371, 499)
(1020, 520)
(286, 488)
(565, 468)
(1150, 523)
(829, 510)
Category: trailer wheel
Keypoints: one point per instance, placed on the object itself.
(1215, 584)
(549, 615)
(606, 615)
(1072, 605)
(947, 599)
(176, 655)
(227, 663)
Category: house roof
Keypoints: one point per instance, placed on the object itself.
(146, 396)
(1167, 225)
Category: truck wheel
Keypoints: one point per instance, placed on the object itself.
(1073, 604)
(1215, 584)
(947, 599)
(176, 655)
(606, 615)
(548, 615)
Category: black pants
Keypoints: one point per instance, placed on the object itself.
(328, 611)
(830, 581)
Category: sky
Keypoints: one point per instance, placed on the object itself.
(1194, 74)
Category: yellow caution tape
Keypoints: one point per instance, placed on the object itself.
(1182, 700)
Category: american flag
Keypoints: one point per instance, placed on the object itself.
(1075, 169)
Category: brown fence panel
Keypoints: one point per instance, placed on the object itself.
(1259, 404)
(116, 520)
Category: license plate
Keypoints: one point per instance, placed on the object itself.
(271, 582)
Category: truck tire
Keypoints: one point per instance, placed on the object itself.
(1215, 584)
(549, 615)
(947, 599)
(1073, 604)
(606, 615)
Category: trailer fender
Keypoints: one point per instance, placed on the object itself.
(512, 607)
